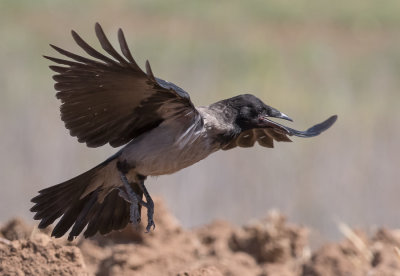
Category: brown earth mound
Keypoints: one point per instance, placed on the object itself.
(270, 246)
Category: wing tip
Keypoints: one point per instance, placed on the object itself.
(58, 49)
(149, 71)
(98, 29)
(330, 121)
(77, 38)
(48, 57)
(319, 128)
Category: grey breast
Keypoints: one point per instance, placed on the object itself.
(173, 145)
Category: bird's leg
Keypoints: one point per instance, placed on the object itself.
(130, 196)
(149, 204)
(123, 194)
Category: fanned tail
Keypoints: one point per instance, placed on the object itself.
(66, 200)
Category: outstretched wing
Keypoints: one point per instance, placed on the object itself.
(110, 99)
(277, 132)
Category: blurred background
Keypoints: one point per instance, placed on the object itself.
(308, 58)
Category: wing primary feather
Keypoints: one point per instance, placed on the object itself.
(90, 50)
(264, 139)
(66, 62)
(125, 50)
(106, 45)
(314, 130)
(323, 126)
(59, 69)
(246, 139)
(107, 98)
(75, 57)
(149, 71)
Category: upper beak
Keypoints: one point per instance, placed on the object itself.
(280, 115)
(283, 116)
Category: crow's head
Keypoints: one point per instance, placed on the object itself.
(251, 112)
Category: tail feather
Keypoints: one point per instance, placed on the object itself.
(93, 225)
(58, 198)
(50, 206)
(83, 218)
(106, 218)
(64, 200)
(68, 219)
(112, 214)
(46, 221)
(120, 221)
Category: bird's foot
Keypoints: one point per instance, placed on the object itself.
(150, 212)
(134, 210)
(129, 195)
(149, 204)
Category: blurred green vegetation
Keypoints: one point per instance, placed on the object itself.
(308, 58)
(355, 13)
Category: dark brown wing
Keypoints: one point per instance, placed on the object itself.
(110, 99)
(277, 132)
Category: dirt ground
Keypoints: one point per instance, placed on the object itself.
(270, 246)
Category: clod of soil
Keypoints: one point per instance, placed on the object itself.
(40, 256)
(270, 246)
(15, 229)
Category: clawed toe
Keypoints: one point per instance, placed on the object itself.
(149, 225)
(128, 194)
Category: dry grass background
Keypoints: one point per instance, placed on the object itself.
(308, 58)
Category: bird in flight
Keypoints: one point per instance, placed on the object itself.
(109, 99)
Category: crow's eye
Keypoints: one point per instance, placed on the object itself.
(245, 111)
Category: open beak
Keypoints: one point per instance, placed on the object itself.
(266, 120)
(273, 113)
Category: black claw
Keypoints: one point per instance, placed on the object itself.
(149, 225)
(150, 212)
(150, 221)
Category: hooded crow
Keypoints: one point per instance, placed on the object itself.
(109, 99)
